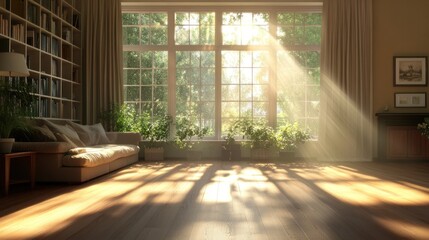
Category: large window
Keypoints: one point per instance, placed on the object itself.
(222, 65)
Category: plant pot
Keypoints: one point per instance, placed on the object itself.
(193, 155)
(154, 154)
(258, 154)
(231, 152)
(287, 155)
(6, 145)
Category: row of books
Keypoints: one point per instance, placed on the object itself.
(4, 25)
(55, 88)
(54, 67)
(44, 21)
(32, 14)
(55, 47)
(33, 38)
(18, 32)
(45, 42)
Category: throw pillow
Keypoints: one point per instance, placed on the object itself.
(44, 134)
(90, 134)
(66, 130)
(73, 142)
(34, 134)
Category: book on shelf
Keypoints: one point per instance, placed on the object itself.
(55, 92)
(3, 3)
(66, 35)
(66, 14)
(55, 109)
(33, 83)
(44, 107)
(45, 21)
(55, 47)
(54, 67)
(18, 32)
(32, 14)
(53, 26)
(31, 37)
(46, 4)
(56, 7)
(76, 21)
(45, 40)
(18, 7)
(44, 86)
(4, 25)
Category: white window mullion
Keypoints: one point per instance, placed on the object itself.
(171, 66)
(218, 75)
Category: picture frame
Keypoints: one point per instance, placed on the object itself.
(410, 100)
(410, 71)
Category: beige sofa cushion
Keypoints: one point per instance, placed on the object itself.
(97, 155)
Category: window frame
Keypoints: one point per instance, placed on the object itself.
(218, 8)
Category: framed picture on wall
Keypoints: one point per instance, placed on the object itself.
(410, 100)
(410, 71)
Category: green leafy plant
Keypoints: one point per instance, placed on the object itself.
(157, 130)
(15, 106)
(121, 118)
(290, 135)
(257, 133)
(423, 127)
(188, 133)
(232, 131)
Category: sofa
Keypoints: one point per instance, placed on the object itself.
(75, 153)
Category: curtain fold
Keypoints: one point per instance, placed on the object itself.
(346, 86)
(102, 56)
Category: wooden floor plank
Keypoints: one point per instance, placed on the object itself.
(228, 200)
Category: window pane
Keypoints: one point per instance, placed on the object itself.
(130, 19)
(244, 28)
(195, 28)
(131, 77)
(195, 85)
(131, 59)
(130, 35)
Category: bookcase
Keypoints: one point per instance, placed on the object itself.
(48, 33)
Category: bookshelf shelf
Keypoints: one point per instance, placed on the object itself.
(48, 33)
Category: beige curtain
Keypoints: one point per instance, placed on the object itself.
(346, 66)
(102, 56)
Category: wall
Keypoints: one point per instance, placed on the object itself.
(399, 29)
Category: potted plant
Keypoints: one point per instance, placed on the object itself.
(121, 118)
(155, 132)
(288, 137)
(15, 107)
(230, 149)
(187, 135)
(259, 138)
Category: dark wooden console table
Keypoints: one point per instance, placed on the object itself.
(399, 139)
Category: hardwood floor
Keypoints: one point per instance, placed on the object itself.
(229, 200)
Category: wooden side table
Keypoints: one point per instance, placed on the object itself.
(8, 157)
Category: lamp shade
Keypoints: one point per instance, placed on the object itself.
(13, 65)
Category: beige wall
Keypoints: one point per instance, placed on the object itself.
(400, 29)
